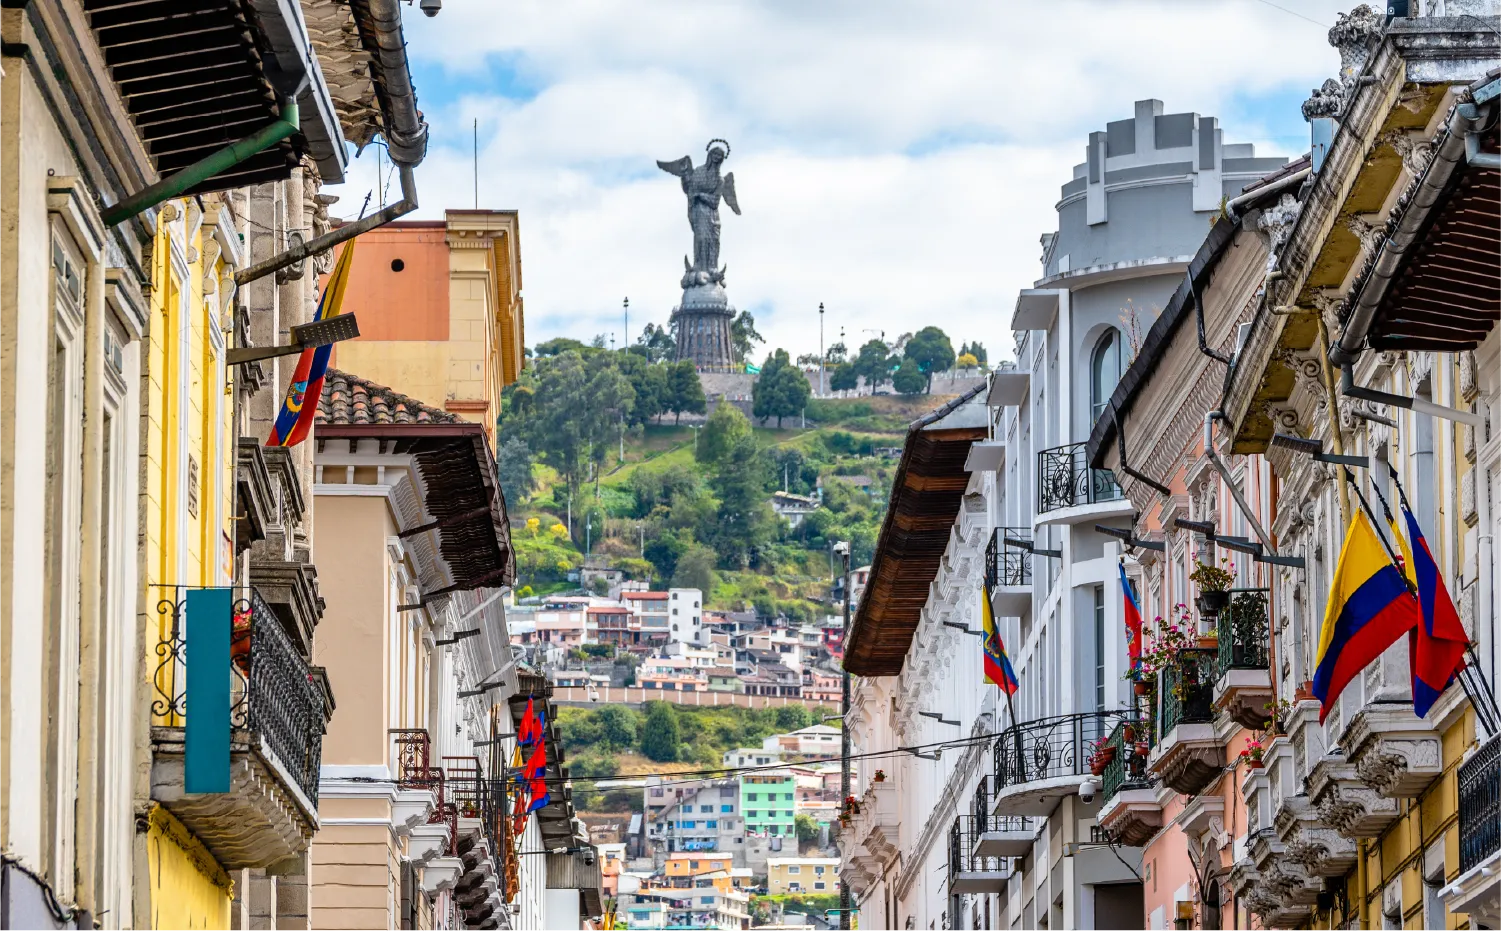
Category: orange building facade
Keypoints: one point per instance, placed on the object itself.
(440, 310)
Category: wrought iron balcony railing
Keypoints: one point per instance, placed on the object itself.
(1188, 690)
(981, 817)
(962, 859)
(1050, 748)
(1242, 631)
(1008, 565)
(1064, 479)
(272, 687)
(1127, 768)
(1480, 806)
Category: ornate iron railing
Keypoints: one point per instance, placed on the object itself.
(1480, 805)
(962, 859)
(472, 795)
(1050, 747)
(1126, 768)
(272, 687)
(1008, 565)
(1188, 689)
(981, 817)
(1064, 479)
(415, 770)
(1242, 628)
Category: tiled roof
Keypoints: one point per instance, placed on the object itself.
(349, 399)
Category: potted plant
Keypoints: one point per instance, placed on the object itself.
(1252, 754)
(1214, 586)
(1277, 714)
(1101, 753)
(880, 775)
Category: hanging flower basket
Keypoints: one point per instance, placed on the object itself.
(880, 775)
(1211, 603)
(1142, 687)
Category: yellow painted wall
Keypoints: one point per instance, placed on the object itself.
(188, 889)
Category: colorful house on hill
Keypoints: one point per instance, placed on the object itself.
(768, 802)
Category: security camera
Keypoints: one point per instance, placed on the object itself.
(431, 7)
(841, 547)
(1087, 789)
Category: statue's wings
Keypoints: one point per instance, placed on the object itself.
(680, 167)
(727, 188)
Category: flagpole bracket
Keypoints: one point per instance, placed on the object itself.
(313, 335)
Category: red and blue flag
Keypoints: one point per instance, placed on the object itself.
(1437, 643)
(300, 406)
(1132, 611)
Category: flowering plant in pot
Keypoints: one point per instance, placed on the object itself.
(880, 775)
(1277, 714)
(1214, 585)
(1100, 755)
(1252, 754)
(1170, 636)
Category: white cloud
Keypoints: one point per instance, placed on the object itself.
(897, 161)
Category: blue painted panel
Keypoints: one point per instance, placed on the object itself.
(206, 756)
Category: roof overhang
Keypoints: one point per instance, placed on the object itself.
(463, 498)
(197, 77)
(926, 496)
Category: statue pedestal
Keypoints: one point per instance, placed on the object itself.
(702, 322)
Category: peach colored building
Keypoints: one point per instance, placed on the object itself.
(402, 842)
(440, 310)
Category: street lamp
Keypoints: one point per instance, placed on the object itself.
(843, 549)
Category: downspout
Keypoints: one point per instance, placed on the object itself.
(1232, 208)
(301, 250)
(405, 134)
(286, 124)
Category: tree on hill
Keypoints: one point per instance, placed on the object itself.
(725, 427)
(743, 335)
(660, 739)
(513, 470)
(556, 431)
(874, 363)
(685, 391)
(908, 379)
(845, 378)
(610, 398)
(931, 350)
(745, 519)
(656, 343)
(781, 391)
(617, 727)
(837, 353)
(558, 346)
(695, 569)
(976, 349)
(966, 361)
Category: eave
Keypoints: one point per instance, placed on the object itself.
(1406, 89)
(925, 499)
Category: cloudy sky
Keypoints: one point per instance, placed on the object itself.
(896, 161)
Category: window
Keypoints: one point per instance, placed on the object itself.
(819, 884)
(753, 814)
(753, 797)
(787, 797)
(1099, 647)
(794, 870)
(1104, 372)
(818, 870)
(712, 825)
(726, 809)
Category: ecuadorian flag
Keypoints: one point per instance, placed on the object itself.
(998, 669)
(1370, 606)
(300, 406)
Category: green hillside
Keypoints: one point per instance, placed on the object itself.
(691, 505)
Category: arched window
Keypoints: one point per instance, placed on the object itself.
(1104, 372)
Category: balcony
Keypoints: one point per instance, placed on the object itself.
(998, 836)
(1243, 679)
(478, 804)
(1008, 572)
(1188, 755)
(1393, 750)
(1129, 811)
(1070, 492)
(1039, 763)
(276, 720)
(256, 494)
(969, 872)
(430, 819)
(1477, 891)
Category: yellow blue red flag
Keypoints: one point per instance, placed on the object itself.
(1370, 606)
(300, 406)
(998, 669)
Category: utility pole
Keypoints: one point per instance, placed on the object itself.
(821, 357)
(843, 548)
(625, 339)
